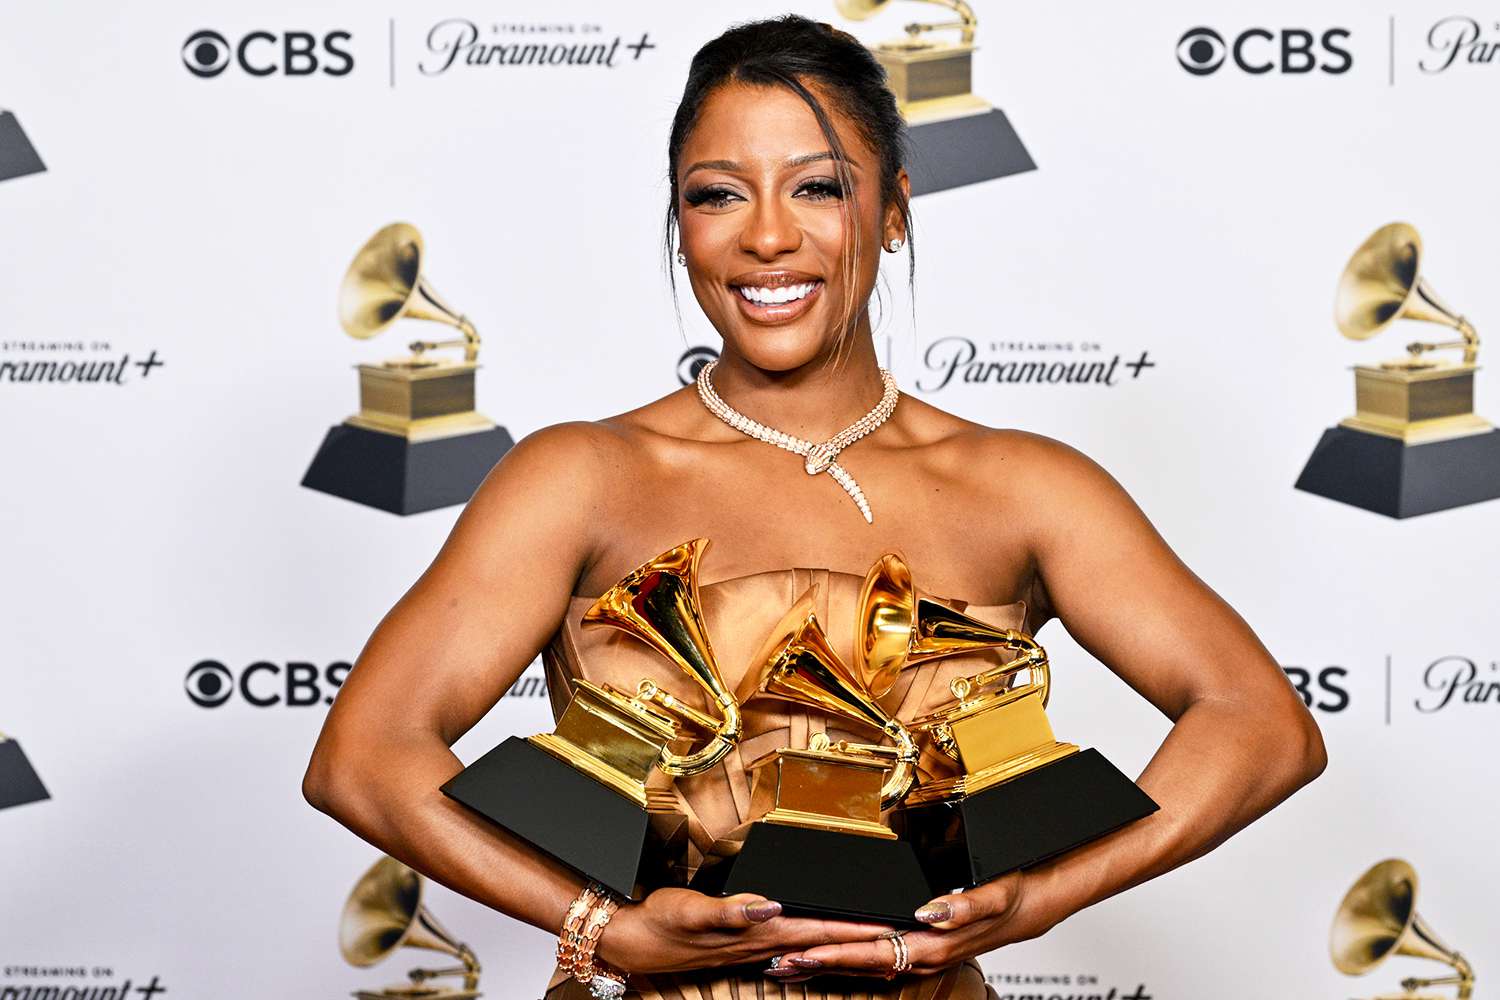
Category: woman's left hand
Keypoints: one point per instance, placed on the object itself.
(962, 925)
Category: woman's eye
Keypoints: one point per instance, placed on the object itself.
(821, 190)
(713, 197)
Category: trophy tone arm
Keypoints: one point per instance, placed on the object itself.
(469, 342)
(965, 23)
(1469, 344)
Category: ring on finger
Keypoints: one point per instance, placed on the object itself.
(902, 957)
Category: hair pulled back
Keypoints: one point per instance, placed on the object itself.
(794, 51)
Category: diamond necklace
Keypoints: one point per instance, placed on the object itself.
(818, 457)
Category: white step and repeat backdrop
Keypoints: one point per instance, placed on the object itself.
(1189, 216)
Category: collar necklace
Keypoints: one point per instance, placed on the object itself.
(817, 457)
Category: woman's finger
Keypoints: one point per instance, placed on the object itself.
(861, 957)
(792, 933)
(960, 908)
(736, 912)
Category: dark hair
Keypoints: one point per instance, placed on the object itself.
(793, 51)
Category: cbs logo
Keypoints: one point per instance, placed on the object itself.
(1257, 51)
(262, 684)
(1322, 690)
(692, 361)
(263, 53)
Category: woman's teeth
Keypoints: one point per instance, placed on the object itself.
(774, 296)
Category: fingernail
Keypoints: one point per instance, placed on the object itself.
(762, 910)
(935, 913)
(806, 963)
(780, 972)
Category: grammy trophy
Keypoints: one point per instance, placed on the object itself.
(385, 913)
(1378, 918)
(596, 793)
(956, 137)
(1414, 444)
(815, 841)
(1017, 795)
(416, 443)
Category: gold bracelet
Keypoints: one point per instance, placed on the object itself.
(583, 924)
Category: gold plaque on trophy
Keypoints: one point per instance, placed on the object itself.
(931, 79)
(385, 913)
(1419, 397)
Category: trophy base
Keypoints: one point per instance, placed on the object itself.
(964, 150)
(1384, 475)
(403, 477)
(17, 156)
(1044, 812)
(19, 783)
(820, 873)
(587, 826)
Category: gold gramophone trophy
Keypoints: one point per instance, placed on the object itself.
(417, 442)
(385, 913)
(17, 155)
(1017, 794)
(19, 783)
(596, 792)
(815, 841)
(957, 138)
(1378, 918)
(1414, 444)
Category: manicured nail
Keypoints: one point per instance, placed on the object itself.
(806, 963)
(780, 972)
(935, 913)
(762, 910)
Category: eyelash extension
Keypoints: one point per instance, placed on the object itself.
(823, 189)
(714, 197)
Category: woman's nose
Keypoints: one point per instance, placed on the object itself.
(770, 230)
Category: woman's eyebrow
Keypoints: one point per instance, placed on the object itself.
(732, 167)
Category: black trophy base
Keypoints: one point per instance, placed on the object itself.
(822, 873)
(17, 156)
(960, 151)
(1383, 475)
(579, 821)
(401, 476)
(18, 781)
(1023, 821)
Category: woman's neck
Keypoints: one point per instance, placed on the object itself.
(815, 401)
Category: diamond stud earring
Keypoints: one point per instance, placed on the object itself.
(682, 258)
(894, 245)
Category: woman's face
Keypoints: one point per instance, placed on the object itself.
(761, 214)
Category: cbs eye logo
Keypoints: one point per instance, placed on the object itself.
(692, 361)
(1257, 51)
(263, 684)
(263, 53)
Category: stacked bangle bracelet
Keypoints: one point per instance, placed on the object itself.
(582, 925)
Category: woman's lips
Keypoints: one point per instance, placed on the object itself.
(776, 312)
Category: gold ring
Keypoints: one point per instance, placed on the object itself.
(902, 959)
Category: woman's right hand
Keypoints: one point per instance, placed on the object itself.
(676, 930)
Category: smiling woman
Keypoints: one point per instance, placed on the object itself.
(787, 183)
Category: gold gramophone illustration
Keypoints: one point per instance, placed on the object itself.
(957, 137)
(417, 442)
(1017, 795)
(596, 791)
(815, 841)
(385, 913)
(1378, 918)
(1414, 444)
(19, 783)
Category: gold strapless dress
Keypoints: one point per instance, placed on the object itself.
(739, 613)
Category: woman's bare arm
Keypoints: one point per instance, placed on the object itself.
(444, 655)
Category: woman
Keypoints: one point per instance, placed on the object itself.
(786, 186)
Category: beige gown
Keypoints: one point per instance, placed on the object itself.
(739, 613)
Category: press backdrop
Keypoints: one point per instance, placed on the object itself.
(191, 230)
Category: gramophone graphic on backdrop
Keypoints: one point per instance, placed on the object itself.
(19, 783)
(385, 913)
(957, 137)
(416, 443)
(17, 155)
(1414, 444)
(1377, 919)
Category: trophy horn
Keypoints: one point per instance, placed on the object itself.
(385, 283)
(385, 912)
(1378, 918)
(896, 626)
(797, 664)
(1383, 283)
(658, 603)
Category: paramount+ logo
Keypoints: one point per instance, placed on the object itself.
(268, 53)
(1260, 51)
(263, 684)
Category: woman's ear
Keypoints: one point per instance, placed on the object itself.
(895, 225)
